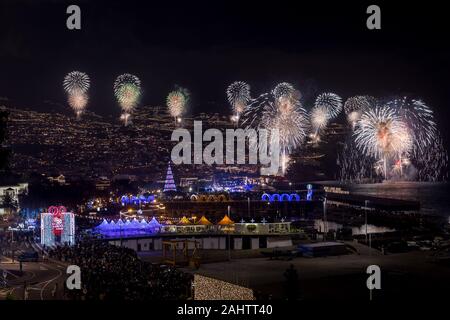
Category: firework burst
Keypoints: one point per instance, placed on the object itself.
(76, 84)
(355, 106)
(238, 94)
(399, 139)
(319, 119)
(176, 102)
(331, 102)
(127, 89)
(326, 107)
(283, 90)
(293, 126)
(279, 110)
(381, 132)
(419, 119)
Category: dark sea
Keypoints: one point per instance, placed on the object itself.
(434, 197)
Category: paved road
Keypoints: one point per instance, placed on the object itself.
(40, 277)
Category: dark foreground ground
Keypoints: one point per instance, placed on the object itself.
(405, 276)
(411, 276)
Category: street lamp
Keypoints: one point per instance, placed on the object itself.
(366, 203)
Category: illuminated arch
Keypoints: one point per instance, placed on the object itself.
(285, 197)
(194, 197)
(221, 198)
(275, 197)
(266, 197)
(295, 197)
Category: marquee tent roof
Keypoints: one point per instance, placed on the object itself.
(184, 220)
(154, 222)
(225, 221)
(204, 221)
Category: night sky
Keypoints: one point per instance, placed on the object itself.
(205, 45)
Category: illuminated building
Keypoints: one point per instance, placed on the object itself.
(57, 224)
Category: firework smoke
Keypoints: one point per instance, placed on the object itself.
(354, 166)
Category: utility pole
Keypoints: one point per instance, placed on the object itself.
(229, 237)
(366, 203)
(325, 227)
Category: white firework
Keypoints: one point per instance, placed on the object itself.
(78, 102)
(176, 102)
(355, 106)
(400, 138)
(319, 118)
(267, 112)
(293, 126)
(76, 82)
(381, 132)
(283, 90)
(238, 94)
(419, 118)
(331, 102)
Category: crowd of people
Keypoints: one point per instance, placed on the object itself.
(115, 273)
(13, 241)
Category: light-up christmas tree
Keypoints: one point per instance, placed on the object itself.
(169, 183)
